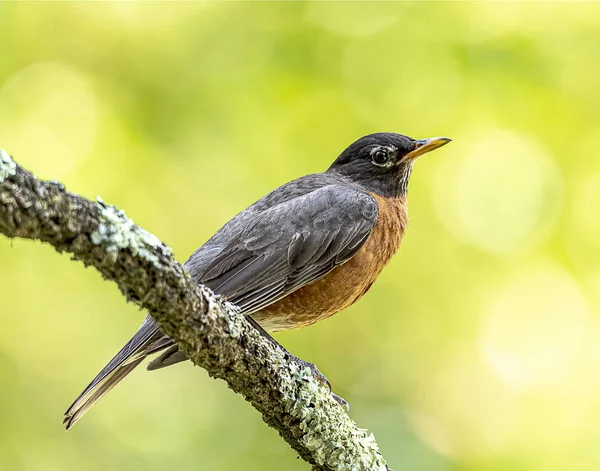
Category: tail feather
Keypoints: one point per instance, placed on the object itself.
(147, 340)
(167, 358)
(78, 409)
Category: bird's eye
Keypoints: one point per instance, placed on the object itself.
(380, 157)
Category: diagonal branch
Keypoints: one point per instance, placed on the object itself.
(211, 333)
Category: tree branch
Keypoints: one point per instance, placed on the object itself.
(211, 333)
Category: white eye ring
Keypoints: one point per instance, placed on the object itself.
(380, 156)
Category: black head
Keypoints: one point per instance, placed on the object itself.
(382, 162)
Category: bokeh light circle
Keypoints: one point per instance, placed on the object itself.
(534, 328)
(48, 118)
(502, 193)
(583, 233)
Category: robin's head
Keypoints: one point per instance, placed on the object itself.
(382, 162)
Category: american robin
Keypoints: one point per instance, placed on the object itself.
(305, 251)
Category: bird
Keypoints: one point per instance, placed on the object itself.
(305, 251)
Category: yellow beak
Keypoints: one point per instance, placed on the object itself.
(423, 146)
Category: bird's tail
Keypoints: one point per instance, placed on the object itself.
(147, 340)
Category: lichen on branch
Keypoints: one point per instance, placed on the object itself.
(117, 232)
(7, 166)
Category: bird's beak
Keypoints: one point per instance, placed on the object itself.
(423, 146)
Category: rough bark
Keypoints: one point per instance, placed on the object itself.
(211, 333)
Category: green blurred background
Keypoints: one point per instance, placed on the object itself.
(479, 347)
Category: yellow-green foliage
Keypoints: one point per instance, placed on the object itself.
(478, 348)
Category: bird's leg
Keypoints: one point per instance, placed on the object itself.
(320, 377)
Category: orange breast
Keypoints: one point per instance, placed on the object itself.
(347, 283)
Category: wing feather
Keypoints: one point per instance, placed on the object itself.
(291, 245)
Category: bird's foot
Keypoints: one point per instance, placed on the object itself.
(322, 379)
(341, 401)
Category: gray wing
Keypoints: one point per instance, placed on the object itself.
(290, 245)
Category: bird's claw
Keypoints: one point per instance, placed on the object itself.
(341, 401)
(322, 379)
